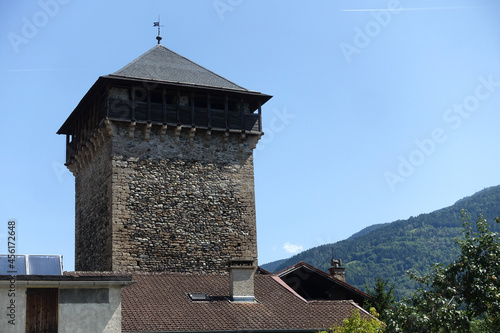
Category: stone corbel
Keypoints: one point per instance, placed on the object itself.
(101, 135)
(163, 132)
(241, 144)
(78, 164)
(252, 140)
(177, 133)
(109, 128)
(71, 167)
(192, 133)
(131, 129)
(95, 145)
(226, 138)
(85, 154)
(208, 136)
(147, 131)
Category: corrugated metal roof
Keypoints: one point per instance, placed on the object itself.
(162, 64)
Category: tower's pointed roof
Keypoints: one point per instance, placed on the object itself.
(167, 68)
(162, 64)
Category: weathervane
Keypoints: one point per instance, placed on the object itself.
(157, 24)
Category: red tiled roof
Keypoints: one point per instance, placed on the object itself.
(160, 303)
(96, 273)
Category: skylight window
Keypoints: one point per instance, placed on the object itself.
(200, 297)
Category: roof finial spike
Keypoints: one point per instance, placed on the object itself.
(335, 263)
(157, 24)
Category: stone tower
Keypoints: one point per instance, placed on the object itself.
(162, 154)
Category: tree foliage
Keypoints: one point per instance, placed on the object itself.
(382, 296)
(463, 296)
(358, 324)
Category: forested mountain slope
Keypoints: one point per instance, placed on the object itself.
(389, 250)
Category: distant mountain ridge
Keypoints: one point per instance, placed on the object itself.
(388, 250)
(367, 230)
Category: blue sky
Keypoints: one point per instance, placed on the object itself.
(382, 110)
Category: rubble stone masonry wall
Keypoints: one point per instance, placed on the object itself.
(93, 213)
(166, 201)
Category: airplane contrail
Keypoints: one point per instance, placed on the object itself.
(409, 9)
(38, 69)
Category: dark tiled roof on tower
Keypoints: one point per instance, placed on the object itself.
(162, 64)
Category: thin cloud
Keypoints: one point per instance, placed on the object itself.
(292, 248)
(410, 9)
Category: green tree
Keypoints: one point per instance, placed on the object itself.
(463, 296)
(357, 324)
(382, 296)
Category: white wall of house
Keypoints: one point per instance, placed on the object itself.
(92, 317)
(81, 308)
(13, 305)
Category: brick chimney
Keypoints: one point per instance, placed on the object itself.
(241, 280)
(338, 273)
